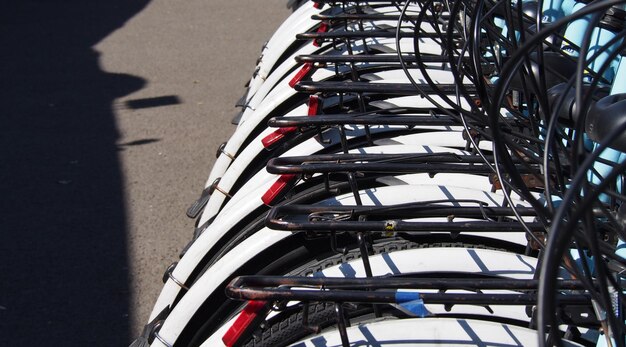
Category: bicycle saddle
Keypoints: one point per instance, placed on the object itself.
(604, 117)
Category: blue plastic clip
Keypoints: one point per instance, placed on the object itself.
(412, 302)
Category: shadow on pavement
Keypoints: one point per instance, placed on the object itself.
(64, 265)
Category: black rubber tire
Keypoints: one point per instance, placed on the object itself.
(382, 246)
(321, 314)
(289, 329)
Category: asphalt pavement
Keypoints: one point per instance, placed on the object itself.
(110, 115)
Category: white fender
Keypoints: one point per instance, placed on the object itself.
(430, 332)
(388, 195)
(211, 279)
(436, 259)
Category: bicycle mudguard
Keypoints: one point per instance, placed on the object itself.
(431, 260)
(382, 195)
(433, 331)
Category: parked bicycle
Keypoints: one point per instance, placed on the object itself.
(416, 172)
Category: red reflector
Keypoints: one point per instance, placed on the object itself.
(276, 136)
(314, 104)
(318, 5)
(306, 68)
(322, 29)
(242, 322)
(281, 183)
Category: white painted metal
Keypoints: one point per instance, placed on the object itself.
(255, 147)
(443, 260)
(436, 259)
(430, 332)
(439, 76)
(370, 197)
(440, 260)
(276, 47)
(212, 279)
(252, 116)
(222, 224)
(308, 147)
(283, 38)
(412, 101)
(299, 22)
(442, 139)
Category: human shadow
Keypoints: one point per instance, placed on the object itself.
(64, 272)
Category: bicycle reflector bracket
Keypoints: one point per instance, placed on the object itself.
(314, 105)
(252, 315)
(412, 303)
(322, 29)
(305, 71)
(278, 190)
(271, 139)
(274, 137)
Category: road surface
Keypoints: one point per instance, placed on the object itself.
(111, 112)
